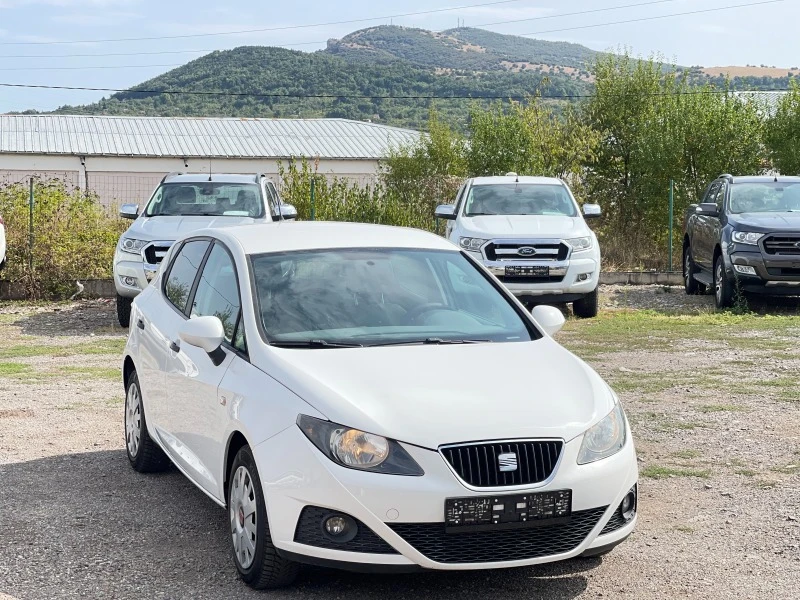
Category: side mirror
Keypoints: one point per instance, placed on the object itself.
(548, 318)
(206, 333)
(129, 211)
(288, 212)
(708, 209)
(592, 211)
(445, 211)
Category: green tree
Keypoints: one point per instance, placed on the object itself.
(782, 135)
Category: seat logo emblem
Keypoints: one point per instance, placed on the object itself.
(507, 462)
(797, 245)
(526, 251)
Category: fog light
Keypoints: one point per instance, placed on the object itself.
(744, 270)
(336, 526)
(628, 506)
(584, 277)
(129, 281)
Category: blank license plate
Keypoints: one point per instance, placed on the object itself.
(490, 513)
(528, 271)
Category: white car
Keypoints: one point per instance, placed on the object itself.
(529, 232)
(2, 243)
(180, 204)
(371, 398)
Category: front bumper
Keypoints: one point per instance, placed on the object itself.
(774, 275)
(397, 508)
(132, 266)
(568, 281)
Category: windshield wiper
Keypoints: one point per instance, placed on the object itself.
(313, 344)
(429, 341)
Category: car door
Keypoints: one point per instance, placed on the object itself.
(702, 249)
(192, 378)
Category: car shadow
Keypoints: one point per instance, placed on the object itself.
(87, 525)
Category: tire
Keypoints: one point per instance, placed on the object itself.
(124, 310)
(254, 555)
(144, 454)
(586, 307)
(723, 289)
(690, 284)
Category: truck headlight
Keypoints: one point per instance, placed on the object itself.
(580, 244)
(747, 237)
(604, 439)
(131, 245)
(471, 244)
(357, 449)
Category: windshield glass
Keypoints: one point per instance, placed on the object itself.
(207, 198)
(519, 199)
(381, 296)
(765, 197)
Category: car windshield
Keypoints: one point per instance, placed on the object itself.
(208, 198)
(369, 297)
(519, 199)
(765, 197)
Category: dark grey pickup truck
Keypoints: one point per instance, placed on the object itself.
(745, 234)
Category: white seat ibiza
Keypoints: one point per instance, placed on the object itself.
(371, 398)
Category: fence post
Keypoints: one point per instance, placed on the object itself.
(30, 230)
(671, 218)
(313, 207)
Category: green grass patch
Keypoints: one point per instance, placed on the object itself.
(745, 472)
(11, 369)
(101, 346)
(93, 372)
(788, 469)
(661, 472)
(686, 454)
(114, 402)
(718, 408)
(684, 529)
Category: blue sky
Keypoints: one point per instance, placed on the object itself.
(764, 34)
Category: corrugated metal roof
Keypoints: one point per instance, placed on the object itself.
(198, 137)
(768, 101)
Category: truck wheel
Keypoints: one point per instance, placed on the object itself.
(124, 310)
(690, 284)
(723, 290)
(586, 307)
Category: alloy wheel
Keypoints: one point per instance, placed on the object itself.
(687, 269)
(718, 283)
(243, 517)
(133, 420)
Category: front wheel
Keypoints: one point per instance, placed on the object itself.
(586, 307)
(690, 284)
(723, 289)
(256, 558)
(143, 453)
(124, 310)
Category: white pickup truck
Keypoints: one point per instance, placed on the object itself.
(529, 233)
(180, 204)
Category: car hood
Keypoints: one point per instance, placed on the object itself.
(513, 226)
(434, 395)
(171, 228)
(768, 222)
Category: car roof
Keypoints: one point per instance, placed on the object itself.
(505, 179)
(763, 179)
(287, 236)
(204, 177)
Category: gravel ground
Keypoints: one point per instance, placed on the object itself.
(719, 454)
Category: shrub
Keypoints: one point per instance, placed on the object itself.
(74, 238)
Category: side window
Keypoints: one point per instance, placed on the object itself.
(218, 292)
(721, 197)
(272, 198)
(460, 197)
(711, 194)
(183, 272)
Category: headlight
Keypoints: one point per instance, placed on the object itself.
(604, 439)
(747, 237)
(357, 449)
(132, 245)
(580, 244)
(471, 244)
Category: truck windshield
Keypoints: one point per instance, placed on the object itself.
(379, 297)
(764, 197)
(208, 198)
(519, 199)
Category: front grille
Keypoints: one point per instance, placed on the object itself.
(309, 532)
(431, 540)
(552, 250)
(478, 464)
(155, 254)
(548, 279)
(785, 272)
(617, 521)
(782, 245)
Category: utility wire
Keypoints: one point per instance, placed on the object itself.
(370, 97)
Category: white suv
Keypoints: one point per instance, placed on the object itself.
(529, 232)
(183, 203)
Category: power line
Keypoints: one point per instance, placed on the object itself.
(87, 68)
(262, 29)
(367, 96)
(680, 14)
(541, 18)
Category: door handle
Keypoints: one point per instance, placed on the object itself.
(174, 346)
(140, 324)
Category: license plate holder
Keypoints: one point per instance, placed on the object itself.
(528, 271)
(493, 513)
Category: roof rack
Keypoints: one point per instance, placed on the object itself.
(173, 174)
(727, 176)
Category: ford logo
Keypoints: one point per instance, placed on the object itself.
(526, 251)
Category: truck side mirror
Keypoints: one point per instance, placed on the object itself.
(708, 209)
(129, 211)
(445, 211)
(592, 211)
